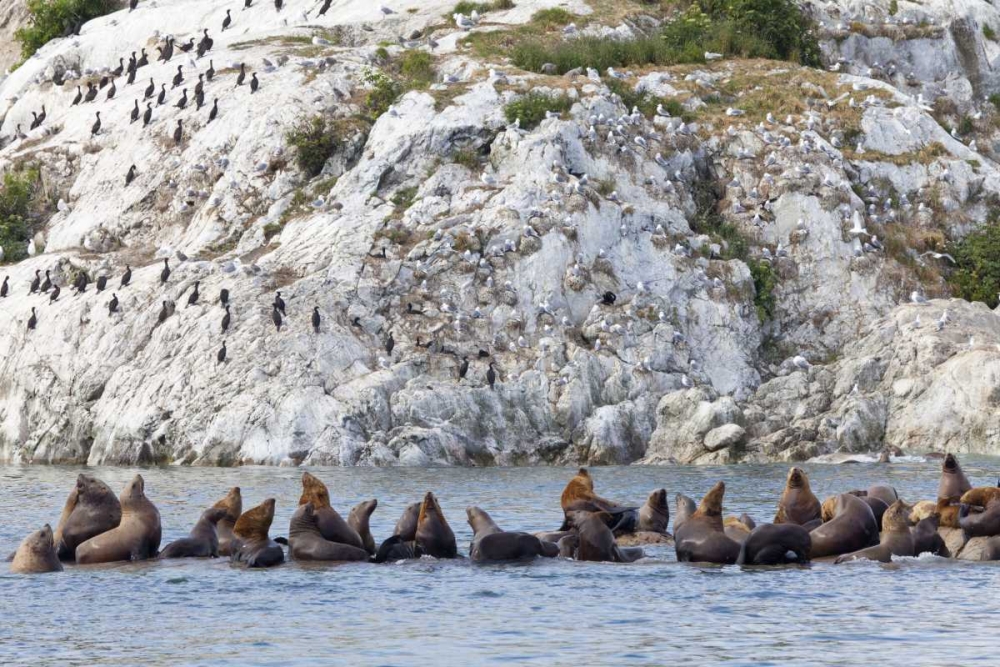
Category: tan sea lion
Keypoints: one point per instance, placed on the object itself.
(953, 481)
(358, 520)
(330, 523)
(233, 504)
(735, 529)
(798, 504)
(137, 537)
(490, 543)
(852, 527)
(776, 544)
(306, 542)
(36, 554)
(701, 537)
(251, 543)
(91, 509)
(654, 516)
(406, 527)
(434, 536)
(579, 496)
(980, 496)
(896, 538)
(926, 538)
(947, 513)
(983, 524)
(202, 541)
(921, 510)
(685, 507)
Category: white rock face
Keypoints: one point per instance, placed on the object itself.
(469, 238)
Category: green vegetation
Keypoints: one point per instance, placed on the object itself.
(764, 282)
(552, 18)
(466, 157)
(647, 102)
(965, 125)
(383, 90)
(412, 70)
(531, 108)
(989, 33)
(466, 7)
(402, 199)
(416, 68)
(58, 18)
(315, 140)
(977, 265)
(708, 220)
(16, 199)
(893, 8)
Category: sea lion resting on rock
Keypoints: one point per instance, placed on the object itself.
(885, 493)
(358, 520)
(954, 483)
(852, 527)
(980, 496)
(406, 527)
(305, 542)
(798, 504)
(137, 537)
(490, 543)
(926, 538)
(984, 524)
(947, 513)
(91, 509)
(736, 529)
(595, 542)
(579, 496)
(776, 544)
(654, 516)
(233, 504)
(896, 539)
(251, 544)
(330, 523)
(434, 535)
(36, 554)
(701, 537)
(202, 541)
(685, 508)
(921, 510)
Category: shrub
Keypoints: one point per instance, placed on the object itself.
(989, 33)
(466, 157)
(417, 67)
(531, 108)
(764, 282)
(466, 7)
(646, 102)
(58, 18)
(383, 91)
(977, 265)
(893, 8)
(550, 18)
(597, 52)
(965, 125)
(16, 197)
(315, 140)
(402, 199)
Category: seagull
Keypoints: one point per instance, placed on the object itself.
(857, 225)
(939, 255)
(917, 297)
(800, 362)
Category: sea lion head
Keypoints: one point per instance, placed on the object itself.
(232, 503)
(748, 521)
(685, 508)
(364, 509)
(658, 500)
(314, 491)
(583, 476)
(91, 488)
(897, 517)
(215, 514)
(480, 520)
(949, 464)
(254, 523)
(134, 491)
(711, 504)
(430, 509)
(797, 479)
(41, 542)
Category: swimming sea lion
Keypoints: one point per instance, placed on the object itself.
(330, 523)
(37, 554)
(434, 536)
(983, 524)
(852, 528)
(896, 539)
(798, 504)
(685, 508)
(202, 541)
(980, 496)
(358, 520)
(776, 544)
(953, 481)
(654, 516)
(490, 543)
(251, 544)
(305, 542)
(137, 537)
(926, 538)
(406, 527)
(91, 509)
(701, 538)
(233, 504)
(886, 494)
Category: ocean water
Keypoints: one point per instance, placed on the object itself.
(919, 611)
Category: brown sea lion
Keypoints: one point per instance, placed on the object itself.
(983, 524)
(953, 481)
(776, 544)
(735, 529)
(91, 509)
(406, 527)
(434, 535)
(233, 504)
(852, 528)
(685, 508)
(596, 543)
(980, 496)
(885, 493)
(251, 543)
(358, 520)
(878, 507)
(798, 504)
(202, 541)
(701, 537)
(395, 548)
(896, 538)
(137, 537)
(330, 523)
(926, 538)
(947, 513)
(306, 542)
(490, 543)
(36, 554)
(654, 516)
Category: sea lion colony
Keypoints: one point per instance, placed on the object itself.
(872, 524)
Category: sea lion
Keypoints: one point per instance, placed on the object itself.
(885, 493)
(568, 544)
(36, 554)
(596, 543)
(852, 528)
(980, 496)
(552, 536)
(776, 544)
(983, 524)
(306, 542)
(137, 537)
(735, 529)
(926, 538)
(896, 538)
(358, 520)
(654, 516)
(91, 509)
(953, 481)
(947, 513)
(434, 536)
(330, 523)
(233, 504)
(251, 544)
(701, 538)
(406, 527)
(396, 548)
(878, 507)
(921, 510)
(202, 541)
(579, 496)
(685, 508)
(798, 504)
(490, 543)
